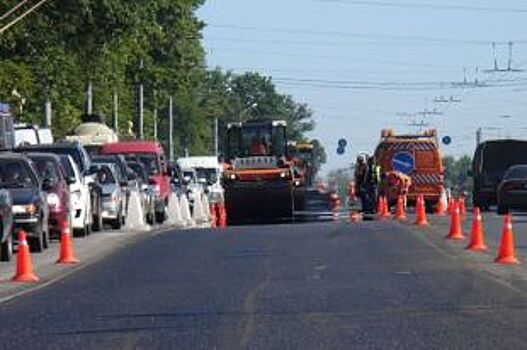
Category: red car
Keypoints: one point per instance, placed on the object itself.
(152, 156)
(49, 169)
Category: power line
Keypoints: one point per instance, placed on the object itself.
(429, 6)
(347, 35)
(22, 16)
(10, 12)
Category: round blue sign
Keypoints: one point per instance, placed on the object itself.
(446, 140)
(340, 151)
(342, 143)
(403, 162)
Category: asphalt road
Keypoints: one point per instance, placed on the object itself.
(307, 286)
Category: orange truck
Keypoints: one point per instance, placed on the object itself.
(410, 165)
(258, 177)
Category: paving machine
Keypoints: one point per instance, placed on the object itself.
(257, 178)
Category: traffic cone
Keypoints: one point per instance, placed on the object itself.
(399, 211)
(440, 209)
(222, 214)
(477, 240)
(451, 205)
(386, 208)
(24, 268)
(67, 256)
(506, 248)
(462, 207)
(456, 232)
(213, 218)
(420, 219)
(380, 208)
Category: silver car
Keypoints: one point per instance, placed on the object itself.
(113, 196)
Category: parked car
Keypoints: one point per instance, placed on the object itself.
(49, 168)
(83, 161)
(113, 196)
(6, 220)
(122, 172)
(81, 218)
(512, 191)
(30, 208)
(146, 190)
(491, 160)
(152, 155)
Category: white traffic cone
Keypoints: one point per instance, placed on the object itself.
(174, 212)
(135, 217)
(198, 214)
(185, 211)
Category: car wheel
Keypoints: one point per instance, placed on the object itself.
(6, 253)
(118, 223)
(36, 244)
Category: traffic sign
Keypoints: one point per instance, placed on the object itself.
(342, 143)
(403, 162)
(340, 151)
(447, 140)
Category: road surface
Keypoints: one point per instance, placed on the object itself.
(374, 285)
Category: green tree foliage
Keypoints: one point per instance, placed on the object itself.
(55, 52)
(456, 172)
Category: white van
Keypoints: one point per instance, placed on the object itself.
(208, 171)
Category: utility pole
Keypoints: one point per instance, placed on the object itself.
(216, 136)
(47, 113)
(478, 136)
(89, 104)
(140, 107)
(155, 115)
(170, 130)
(115, 112)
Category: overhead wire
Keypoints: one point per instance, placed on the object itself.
(22, 16)
(13, 10)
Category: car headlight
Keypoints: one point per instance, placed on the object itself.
(283, 175)
(25, 209)
(232, 176)
(53, 200)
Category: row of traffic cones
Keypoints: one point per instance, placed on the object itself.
(24, 267)
(506, 251)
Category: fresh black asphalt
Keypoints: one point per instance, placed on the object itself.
(307, 286)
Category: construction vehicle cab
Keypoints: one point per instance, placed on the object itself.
(258, 179)
(411, 165)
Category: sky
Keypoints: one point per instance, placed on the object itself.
(363, 66)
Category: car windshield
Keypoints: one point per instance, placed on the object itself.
(16, 174)
(139, 170)
(148, 160)
(210, 175)
(47, 169)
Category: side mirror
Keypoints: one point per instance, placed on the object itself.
(47, 184)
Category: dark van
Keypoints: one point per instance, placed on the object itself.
(491, 160)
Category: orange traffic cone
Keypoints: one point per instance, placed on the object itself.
(451, 204)
(67, 256)
(506, 248)
(24, 268)
(213, 218)
(462, 207)
(420, 219)
(440, 209)
(456, 232)
(477, 241)
(222, 215)
(399, 211)
(380, 207)
(386, 208)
